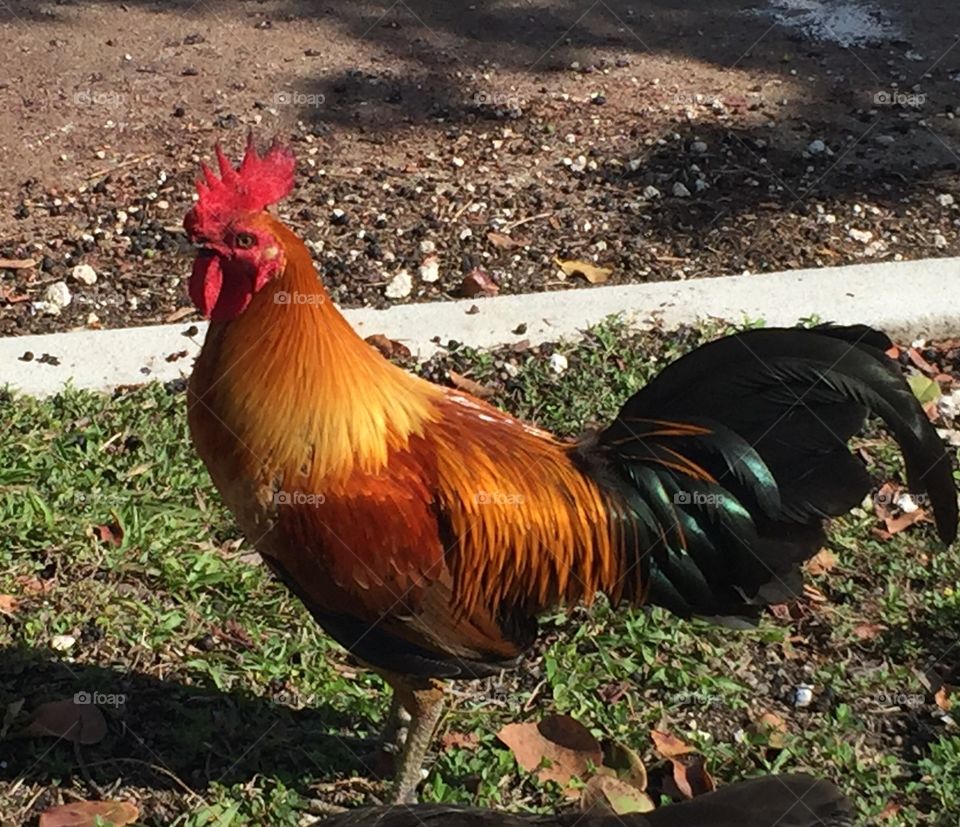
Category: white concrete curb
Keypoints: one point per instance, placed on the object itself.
(907, 299)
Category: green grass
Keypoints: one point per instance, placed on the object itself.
(237, 710)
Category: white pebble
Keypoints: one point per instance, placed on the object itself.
(945, 200)
(58, 296)
(61, 643)
(400, 286)
(430, 269)
(816, 147)
(85, 274)
(863, 236)
(803, 695)
(680, 191)
(559, 363)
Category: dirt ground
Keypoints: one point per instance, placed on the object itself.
(662, 139)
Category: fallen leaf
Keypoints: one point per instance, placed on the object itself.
(611, 795)
(822, 562)
(691, 776)
(8, 605)
(463, 383)
(111, 533)
(388, 347)
(33, 585)
(478, 282)
(591, 272)
(17, 263)
(82, 723)
(944, 697)
(178, 314)
(887, 508)
(669, 746)
(459, 740)
(504, 241)
(868, 631)
(567, 748)
(890, 810)
(924, 388)
(921, 363)
(86, 813)
(627, 765)
(772, 728)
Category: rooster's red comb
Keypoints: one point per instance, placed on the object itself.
(259, 181)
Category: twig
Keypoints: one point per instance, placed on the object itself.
(156, 768)
(514, 224)
(124, 165)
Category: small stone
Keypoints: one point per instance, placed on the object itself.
(458, 162)
(56, 297)
(885, 140)
(61, 643)
(863, 236)
(85, 274)
(338, 216)
(427, 247)
(945, 200)
(803, 696)
(430, 269)
(559, 363)
(400, 286)
(162, 204)
(651, 193)
(816, 147)
(680, 190)
(698, 147)
(939, 241)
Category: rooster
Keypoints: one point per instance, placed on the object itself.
(775, 801)
(425, 530)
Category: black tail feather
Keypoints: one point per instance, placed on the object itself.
(739, 451)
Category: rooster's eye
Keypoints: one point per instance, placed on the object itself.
(245, 240)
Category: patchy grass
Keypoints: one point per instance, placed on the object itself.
(226, 705)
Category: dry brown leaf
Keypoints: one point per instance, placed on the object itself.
(771, 727)
(388, 347)
(86, 813)
(691, 776)
(868, 631)
(8, 605)
(894, 519)
(669, 746)
(611, 795)
(891, 810)
(625, 763)
(591, 272)
(822, 562)
(921, 363)
(33, 585)
(82, 723)
(17, 263)
(504, 241)
(178, 314)
(469, 385)
(111, 533)
(478, 283)
(944, 697)
(567, 748)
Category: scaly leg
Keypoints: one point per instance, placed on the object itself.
(423, 699)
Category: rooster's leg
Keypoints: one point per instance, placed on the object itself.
(423, 699)
(395, 731)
